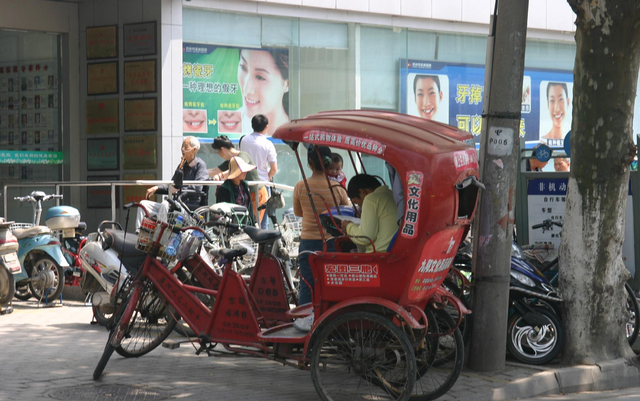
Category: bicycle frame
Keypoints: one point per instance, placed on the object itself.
(241, 310)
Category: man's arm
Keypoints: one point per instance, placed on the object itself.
(273, 169)
(272, 158)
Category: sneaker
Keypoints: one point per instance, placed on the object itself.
(304, 324)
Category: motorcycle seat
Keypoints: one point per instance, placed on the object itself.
(115, 239)
(31, 231)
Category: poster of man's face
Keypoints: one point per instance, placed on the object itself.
(428, 96)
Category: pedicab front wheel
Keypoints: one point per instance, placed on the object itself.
(363, 355)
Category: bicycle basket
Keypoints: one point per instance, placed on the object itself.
(291, 227)
(246, 262)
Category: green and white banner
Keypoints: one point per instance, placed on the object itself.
(30, 157)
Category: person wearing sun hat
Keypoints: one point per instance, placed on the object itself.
(235, 189)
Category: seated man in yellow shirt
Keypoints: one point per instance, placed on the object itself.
(378, 213)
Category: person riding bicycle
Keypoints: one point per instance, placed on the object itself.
(378, 213)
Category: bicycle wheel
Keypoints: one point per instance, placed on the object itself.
(151, 323)
(633, 324)
(123, 315)
(363, 355)
(439, 362)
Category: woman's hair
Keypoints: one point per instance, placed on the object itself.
(563, 85)
(281, 59)
(435, 79)
(361, 181)
(336, 158)
(314, 160)
(222, 141)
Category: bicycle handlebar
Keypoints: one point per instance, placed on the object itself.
(546, 224)
(30, 198)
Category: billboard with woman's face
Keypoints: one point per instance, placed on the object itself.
(429, 98)
(453, 93)
(225, 87)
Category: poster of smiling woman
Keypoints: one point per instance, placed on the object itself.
(224, 87)
(555, 112)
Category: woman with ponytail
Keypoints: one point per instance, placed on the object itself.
(319, 159)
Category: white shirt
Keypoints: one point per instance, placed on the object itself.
(262, 151)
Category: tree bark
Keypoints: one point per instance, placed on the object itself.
(592, 273)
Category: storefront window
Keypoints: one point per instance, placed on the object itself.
(30, 139)
(336, 65)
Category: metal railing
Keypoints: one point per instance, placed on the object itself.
(114, 184)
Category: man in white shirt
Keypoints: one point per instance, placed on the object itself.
(262, 152)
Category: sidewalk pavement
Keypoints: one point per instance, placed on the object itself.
(52, 352)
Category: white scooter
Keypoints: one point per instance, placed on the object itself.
(108, 258)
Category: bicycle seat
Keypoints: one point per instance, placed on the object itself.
(229, 254)
(260, 236)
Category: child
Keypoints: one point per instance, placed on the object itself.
(335, 171)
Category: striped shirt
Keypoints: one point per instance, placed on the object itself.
(302, 205)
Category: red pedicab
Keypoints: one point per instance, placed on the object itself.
(380, 329)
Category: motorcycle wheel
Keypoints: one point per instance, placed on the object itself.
(103, 319)
(633, 324)
(7, 286)
(538, 344)
(22, 292)
(151, 323)
(439, 361)
(46, 273)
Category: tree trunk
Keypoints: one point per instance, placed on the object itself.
(592, 274)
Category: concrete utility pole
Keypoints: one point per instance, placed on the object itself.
(499, 147)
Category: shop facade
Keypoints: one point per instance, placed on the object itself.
(127, 79)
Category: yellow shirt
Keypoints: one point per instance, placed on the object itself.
(378, 220)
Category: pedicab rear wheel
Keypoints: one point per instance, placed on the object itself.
(363, 355)
(439, 361)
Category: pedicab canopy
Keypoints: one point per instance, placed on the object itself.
(437, 167)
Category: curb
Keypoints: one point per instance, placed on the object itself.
(610, 375)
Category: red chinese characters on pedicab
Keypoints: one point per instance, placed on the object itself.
(434, 263)
(414, 192)
(345, 142)
(351, 275)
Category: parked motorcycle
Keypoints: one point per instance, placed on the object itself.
(9, 266)
(108, 258)
(40, 253)
(534, 332)
(71, 251)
